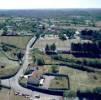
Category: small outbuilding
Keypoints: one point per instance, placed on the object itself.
(33, 81)
(2, 65)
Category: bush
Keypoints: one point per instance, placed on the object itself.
(62, 37)
(57, 57)
(69, 93)
(97, 90)
(54, 69)
(47, 48)
(40, 61)
(5, 48)
(50, 48)
(69, 32)
(53, 47)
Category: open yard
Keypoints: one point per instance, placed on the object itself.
(18, 41)
(81, 79)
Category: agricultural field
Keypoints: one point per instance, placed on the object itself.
(59, 83)
(81, 80)
(18, 41)
(37, 54)
(9, 67)
(62, 45)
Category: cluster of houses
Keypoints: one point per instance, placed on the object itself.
(35, 77)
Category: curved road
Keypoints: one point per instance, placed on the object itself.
(14, 84)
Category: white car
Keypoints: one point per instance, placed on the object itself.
(16, 93)
(31, 98)
(27, 96)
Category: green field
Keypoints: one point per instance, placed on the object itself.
(37, 54)
(41, 43)
(59, 83)
(18, 41)
(10, 68)
(81, 79)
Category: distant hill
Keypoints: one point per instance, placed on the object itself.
(52, 13)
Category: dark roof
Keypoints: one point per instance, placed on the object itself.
(33, 81)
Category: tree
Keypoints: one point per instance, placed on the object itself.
(37, 35)
(34, 27)
(47, 48)
(54, 69)
(97, 90)
(40, 61)
(5, 48)
(62, 37)
(53, 47)
(0, 85)
(5, 31)
(34, 59)
(20, 55)
(69, 93)
(69, 32)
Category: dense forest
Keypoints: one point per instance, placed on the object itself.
(95, 13)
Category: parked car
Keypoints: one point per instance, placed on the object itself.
(16, 93)
(27, 96)
(37, 96)
(30, 98)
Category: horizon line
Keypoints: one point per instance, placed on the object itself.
(45, 8)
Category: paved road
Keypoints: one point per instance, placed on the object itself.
(13, 82)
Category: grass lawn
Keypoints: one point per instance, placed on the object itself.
(59, 83)
(37, 54)
(18, 41)
(23, 81)
(80, 79)
(10, 51)
(10, 66)
(75, 59)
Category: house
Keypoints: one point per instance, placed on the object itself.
(51, 36)
(77, 34)
(12, 34)
(33, 81)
